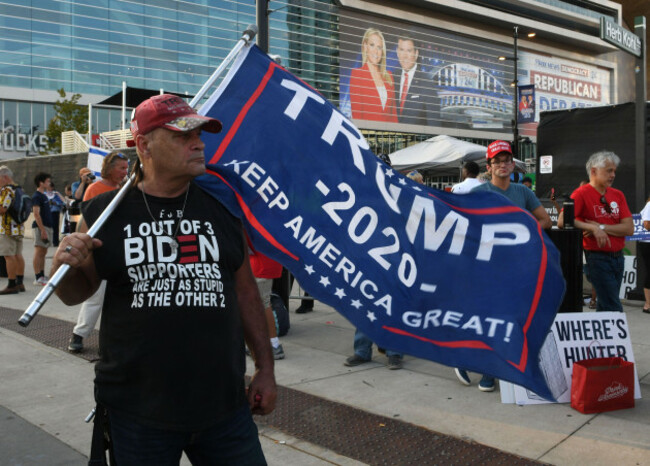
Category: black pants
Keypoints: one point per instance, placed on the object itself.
(282, 287)
(643, 259)
(55, 228)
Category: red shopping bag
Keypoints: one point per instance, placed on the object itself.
(602, 384)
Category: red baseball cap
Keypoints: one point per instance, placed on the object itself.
(171, 112)
(498, 147)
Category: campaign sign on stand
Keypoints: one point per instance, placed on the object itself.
(575, 336)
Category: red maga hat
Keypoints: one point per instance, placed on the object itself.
(498, 147)
(171, 112)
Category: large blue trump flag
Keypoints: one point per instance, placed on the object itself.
(469, 281)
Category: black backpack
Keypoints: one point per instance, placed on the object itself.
(21, 206)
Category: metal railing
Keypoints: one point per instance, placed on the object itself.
(115, 139)
(73, 143)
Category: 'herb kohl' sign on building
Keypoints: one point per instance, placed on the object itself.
(620, 37)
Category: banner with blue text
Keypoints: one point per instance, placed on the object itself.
(469, 281)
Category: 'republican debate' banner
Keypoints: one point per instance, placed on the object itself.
(469, 281)
(562, 84)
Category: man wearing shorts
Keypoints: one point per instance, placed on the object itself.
(11, 235)
(42, 226)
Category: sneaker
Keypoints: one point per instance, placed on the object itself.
(278, 353)
(41, 281)
(355, 360)
(394, 363)
(486, 384)
(463, 377)
(76, 343)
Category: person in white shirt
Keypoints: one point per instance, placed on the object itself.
(470, 172)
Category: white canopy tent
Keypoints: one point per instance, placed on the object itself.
(442, 155)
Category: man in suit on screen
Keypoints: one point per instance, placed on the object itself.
(412, 93)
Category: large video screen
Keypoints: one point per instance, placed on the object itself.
(402, 73)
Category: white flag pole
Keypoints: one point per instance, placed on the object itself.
(54, 281)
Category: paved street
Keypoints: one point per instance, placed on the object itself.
(46, 393)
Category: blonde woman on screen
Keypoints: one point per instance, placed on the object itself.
(372, 92)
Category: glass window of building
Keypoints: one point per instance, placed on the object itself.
(10, 116)
(38, 118)
(24, 118)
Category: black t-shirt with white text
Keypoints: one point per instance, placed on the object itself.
(171, 339)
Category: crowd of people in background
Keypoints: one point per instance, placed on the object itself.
(52, 215)
(601, 212)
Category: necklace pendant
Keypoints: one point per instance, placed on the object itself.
(174, 246)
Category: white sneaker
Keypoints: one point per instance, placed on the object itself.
(42, 281)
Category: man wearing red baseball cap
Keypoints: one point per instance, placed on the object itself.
(180, 299)
(500, 165)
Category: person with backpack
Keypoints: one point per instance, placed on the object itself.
(11, 234)
(57, 204)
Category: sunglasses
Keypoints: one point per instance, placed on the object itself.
(117, 155)
(605, 204)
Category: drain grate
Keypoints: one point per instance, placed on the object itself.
(348, 431)
(374, 439)
(50, 331)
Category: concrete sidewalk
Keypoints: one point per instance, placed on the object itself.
(45, 394)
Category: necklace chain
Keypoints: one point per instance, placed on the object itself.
(174, 244)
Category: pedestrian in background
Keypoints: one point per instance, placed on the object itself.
(470, 172)
(265, 270)
(57, 204)
(11, 235)
(602, 213)
(362, 343)
(42, 226)
(86, 178)
(644, 251)
(115, 167)
(500, 165)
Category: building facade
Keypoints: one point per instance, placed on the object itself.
(91, 48)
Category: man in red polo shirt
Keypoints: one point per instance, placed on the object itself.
(602, 213)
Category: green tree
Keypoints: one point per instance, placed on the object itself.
(69, 116)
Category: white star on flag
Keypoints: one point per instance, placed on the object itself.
(309, 269)
(356, 303)
(402, 181)
(389, 173)
(340, 293)
(371, 316)
(324, 281)
(417, 188)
